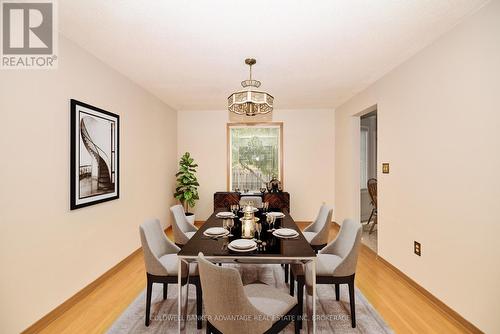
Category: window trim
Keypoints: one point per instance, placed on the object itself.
(252, 124)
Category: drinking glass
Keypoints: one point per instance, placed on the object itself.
(270, 220)
(265, 207)
(230, 225)
(258, 228)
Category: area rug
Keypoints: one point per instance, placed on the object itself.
(333, 316)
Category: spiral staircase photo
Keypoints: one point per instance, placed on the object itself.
(104, 181)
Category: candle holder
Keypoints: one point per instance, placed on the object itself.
(248, 223)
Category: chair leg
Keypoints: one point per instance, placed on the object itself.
(300, 298)
(287, 270)
(149, 289)
(199, 305)
(292, 284)
(352, 303)
(296, 324)
(165, 290)
(371, 215)
(209, 331)
(337, 292)
(373, 224)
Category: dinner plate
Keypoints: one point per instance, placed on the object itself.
(253, 209)
(276, 214)
(225, 214)
(215, 232)
(241, 250)
(285, 236)
(286, 232)
(244, 244)
(255, 219)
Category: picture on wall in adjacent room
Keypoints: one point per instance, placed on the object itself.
(94, 155)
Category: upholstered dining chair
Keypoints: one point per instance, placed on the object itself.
(256, 201)
(335, 264)
(160, 256)
(183, 229)
(253, 308)
(317, 232)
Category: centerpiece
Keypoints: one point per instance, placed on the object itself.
(248, 222)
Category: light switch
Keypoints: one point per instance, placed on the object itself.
(385, 168)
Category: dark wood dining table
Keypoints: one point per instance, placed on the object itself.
(276, 251)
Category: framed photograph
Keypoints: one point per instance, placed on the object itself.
(95, 143)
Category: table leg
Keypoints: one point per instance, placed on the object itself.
(310, 286)
(314, 295)
(179, 294)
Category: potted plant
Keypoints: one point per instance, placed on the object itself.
(187, 185)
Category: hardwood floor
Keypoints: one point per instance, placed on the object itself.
(403, 307)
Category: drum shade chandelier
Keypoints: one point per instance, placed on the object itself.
(250, 102)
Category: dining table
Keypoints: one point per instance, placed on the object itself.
(271, 250)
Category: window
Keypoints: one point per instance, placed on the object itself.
(254, 153)
(364, 157)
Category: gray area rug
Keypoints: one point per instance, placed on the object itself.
(333, 315)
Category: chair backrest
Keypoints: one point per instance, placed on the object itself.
(225, 300)
(180, 225)
(346, 246)
(321, 225)
(256, 201)
(372, 190)
(155, 244)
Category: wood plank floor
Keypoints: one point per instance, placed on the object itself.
(403, 307)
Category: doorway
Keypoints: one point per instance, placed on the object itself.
(368, 178)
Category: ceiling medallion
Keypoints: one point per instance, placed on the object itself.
(250, 102)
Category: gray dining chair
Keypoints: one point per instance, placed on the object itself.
(182, 228)
(232, 307)
(317, 232)
(160, 257)
(335, 264)
(256, 201)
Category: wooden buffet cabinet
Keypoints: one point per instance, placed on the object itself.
(279, 200)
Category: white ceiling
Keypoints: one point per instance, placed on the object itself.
(314, 54)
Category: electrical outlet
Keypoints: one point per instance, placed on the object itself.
(417, 249)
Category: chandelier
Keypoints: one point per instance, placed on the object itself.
(250, 102)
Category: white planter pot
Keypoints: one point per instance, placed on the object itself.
(190, 218)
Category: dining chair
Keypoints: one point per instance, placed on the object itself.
(183, 229)
(335, 264)
(372, 190)
(317, 232)
(256, 201)
(253, 308)
(160, 257)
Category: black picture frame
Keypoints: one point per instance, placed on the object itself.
(95, 155)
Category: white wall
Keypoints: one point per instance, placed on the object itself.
(438, 127)
(307, 148)
(47, 252)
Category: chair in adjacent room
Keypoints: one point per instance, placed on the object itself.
(335, 264)
(160, 256)
(372, 190)
(253, 308)
(182, 228)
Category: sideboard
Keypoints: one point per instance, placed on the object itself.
(280, 200)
